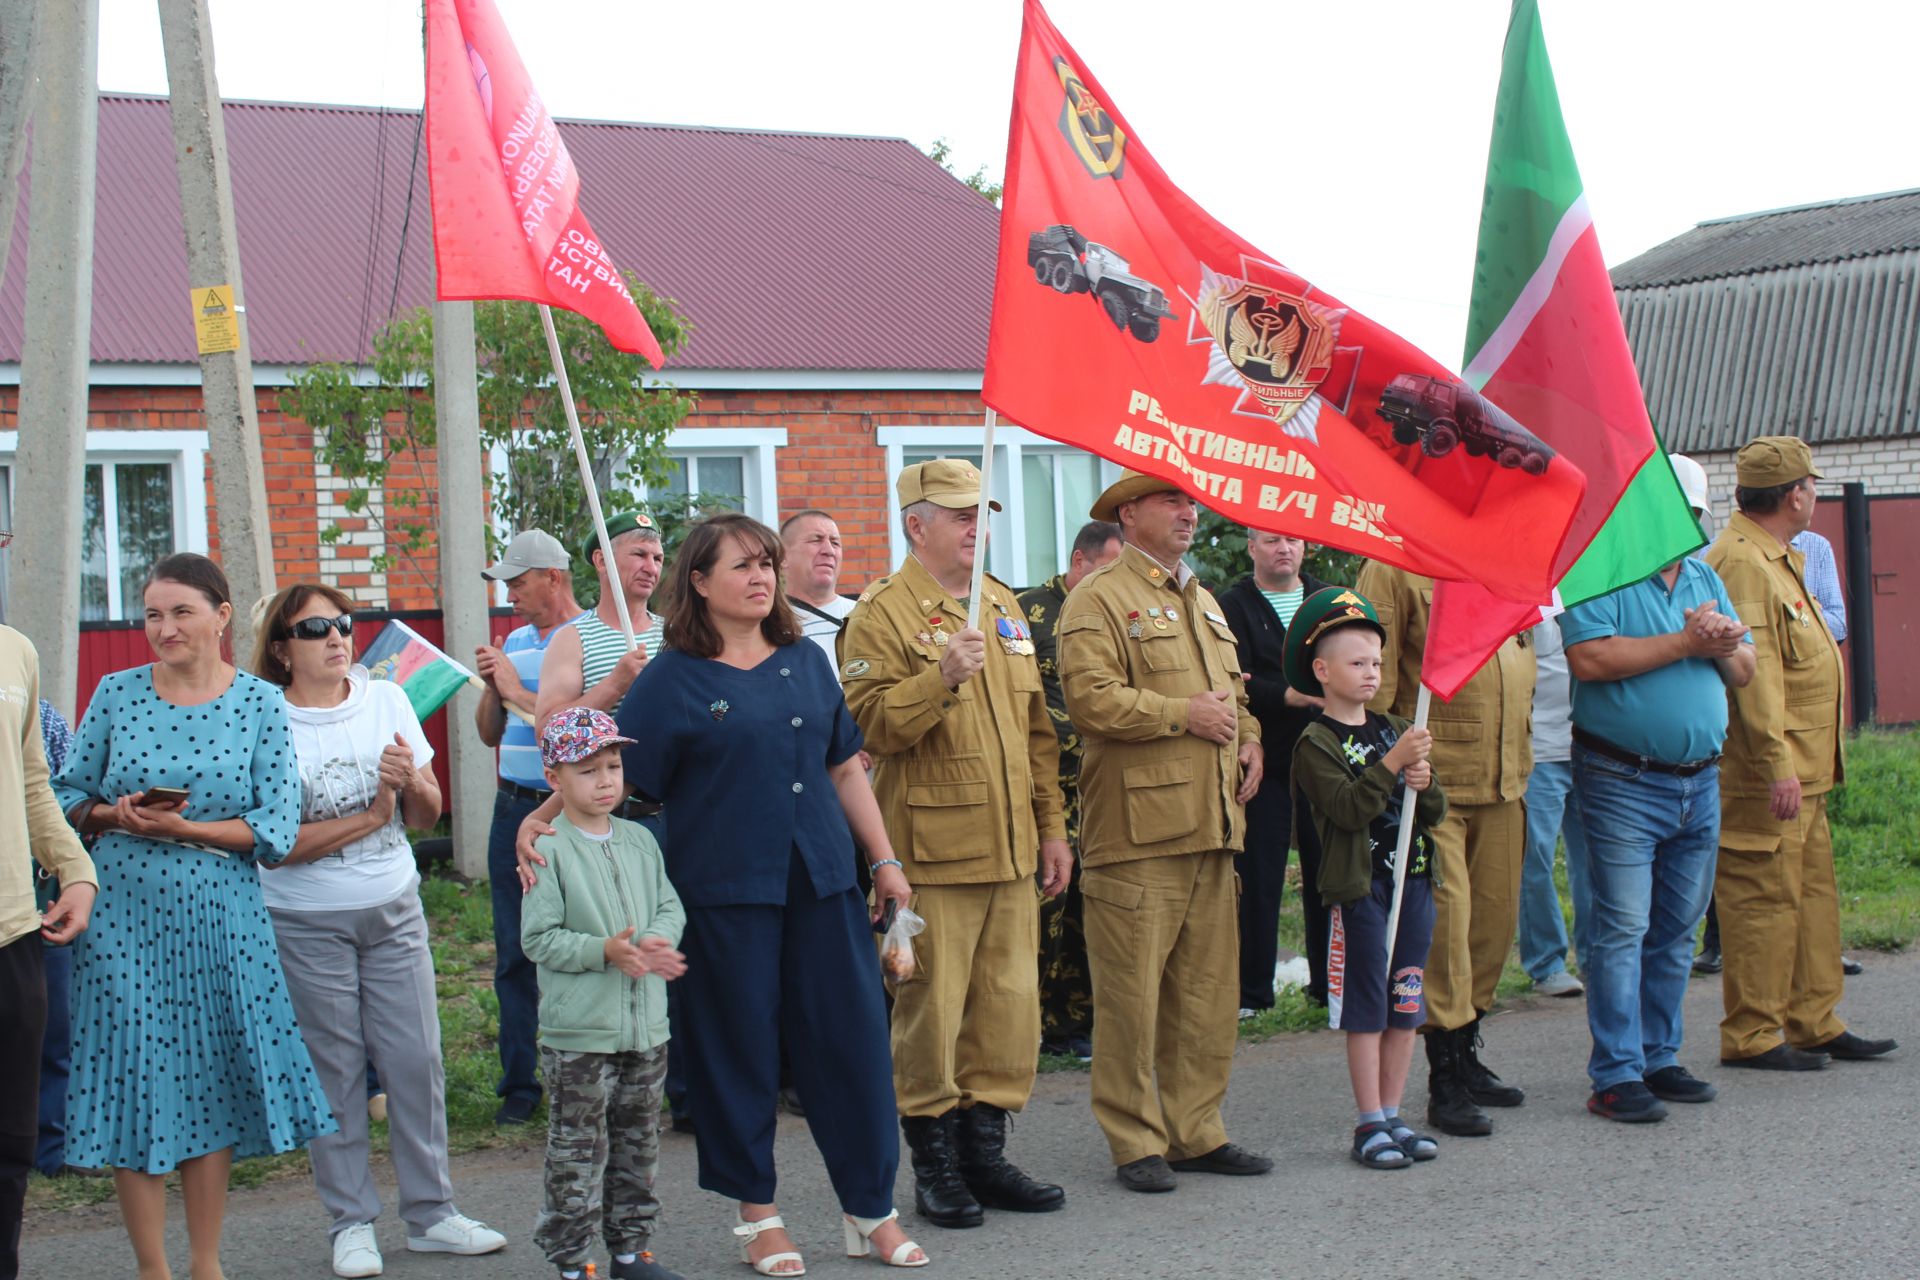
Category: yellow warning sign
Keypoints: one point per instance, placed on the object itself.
(214, 322)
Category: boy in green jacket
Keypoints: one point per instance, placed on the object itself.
(1351, 768)
(601, 924)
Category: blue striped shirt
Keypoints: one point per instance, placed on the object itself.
(1823, 581)
(519, 745)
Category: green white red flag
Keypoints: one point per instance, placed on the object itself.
(1545, 343)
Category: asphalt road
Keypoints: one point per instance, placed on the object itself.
(1798, 1176)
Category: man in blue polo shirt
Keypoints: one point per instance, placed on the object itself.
(539, 578)
(1651, 664)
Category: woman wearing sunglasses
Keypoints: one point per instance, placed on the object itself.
(185, 1052)
(353, 939)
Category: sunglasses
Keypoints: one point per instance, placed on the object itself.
(317, 628)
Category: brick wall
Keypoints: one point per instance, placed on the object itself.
(1884, 466)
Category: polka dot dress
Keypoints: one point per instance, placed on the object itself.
(184, 1040)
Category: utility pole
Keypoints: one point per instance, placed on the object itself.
(462, 539)
(55, 356)
(219, 309)
(18, 80)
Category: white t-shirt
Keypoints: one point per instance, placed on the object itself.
(338, 751)
(819, 630)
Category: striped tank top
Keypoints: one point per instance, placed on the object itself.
(602, 645)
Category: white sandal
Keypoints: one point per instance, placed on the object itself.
(859, 1243)
(750, 1231)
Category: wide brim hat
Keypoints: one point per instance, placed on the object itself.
(1325, 610)
(1130, 485)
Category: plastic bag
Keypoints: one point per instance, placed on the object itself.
(896, 947)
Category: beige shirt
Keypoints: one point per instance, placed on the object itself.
(968, 780)
(30, 816)
(1135, 643)
(1483, 738)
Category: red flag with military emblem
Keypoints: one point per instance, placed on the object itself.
(1129, 322)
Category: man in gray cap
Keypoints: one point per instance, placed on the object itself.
(1779, 905)
(537, 571)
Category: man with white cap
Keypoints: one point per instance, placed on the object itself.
(539, 578)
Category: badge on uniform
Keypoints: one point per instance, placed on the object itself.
(1014, 637)
(1172, 616)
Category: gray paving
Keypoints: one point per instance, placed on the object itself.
(1784, 1175)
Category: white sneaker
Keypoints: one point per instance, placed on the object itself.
(457, 1234)
(355, 1253)
(1559, 984)
(1247, 1015)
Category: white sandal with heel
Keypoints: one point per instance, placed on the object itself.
(860, 1244)
(750, 1231)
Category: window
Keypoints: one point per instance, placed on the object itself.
(1057, 487)
(143, 496)
(721, 476)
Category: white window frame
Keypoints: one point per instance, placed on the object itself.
(185, 452)
(1007, 548)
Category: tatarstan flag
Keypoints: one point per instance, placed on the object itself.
(1545, 343)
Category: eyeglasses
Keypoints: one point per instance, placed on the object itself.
(317, 628)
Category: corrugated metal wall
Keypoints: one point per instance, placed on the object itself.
(1826, 352)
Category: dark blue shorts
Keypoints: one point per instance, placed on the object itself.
(1360, 996)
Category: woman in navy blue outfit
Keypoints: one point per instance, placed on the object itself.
(741, 731)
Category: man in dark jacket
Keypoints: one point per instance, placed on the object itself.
(1258, 608)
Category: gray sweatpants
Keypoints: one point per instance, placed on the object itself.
(362, 987)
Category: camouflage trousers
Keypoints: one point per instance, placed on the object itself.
(1066, 992)
(603, 1146)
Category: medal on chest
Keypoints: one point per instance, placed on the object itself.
(1134, 629)
(1014, 637)
(939, 633)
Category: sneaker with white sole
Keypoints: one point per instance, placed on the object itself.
(355, 1253)
(457, 1234)
(1561, 983)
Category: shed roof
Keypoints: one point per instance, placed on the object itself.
(1801, 321)
(788, 251)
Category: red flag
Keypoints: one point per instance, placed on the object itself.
(506, 197)
(1130, 323)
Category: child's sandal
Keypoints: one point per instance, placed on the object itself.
(1416, 1144)
(1383, 1154)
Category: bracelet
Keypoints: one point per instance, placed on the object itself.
(885, 862)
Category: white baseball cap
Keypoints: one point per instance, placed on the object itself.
(1693, 481)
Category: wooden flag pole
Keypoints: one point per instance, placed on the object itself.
(586, 476)
(1404, 843)
(980, 527)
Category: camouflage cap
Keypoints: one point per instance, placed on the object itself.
(1768, 461)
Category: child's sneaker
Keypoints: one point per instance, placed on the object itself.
(643, 1267)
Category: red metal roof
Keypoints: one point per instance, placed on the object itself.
(786, 250)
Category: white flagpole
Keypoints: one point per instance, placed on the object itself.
(586, 476)
(980, 527)
(1404, 843)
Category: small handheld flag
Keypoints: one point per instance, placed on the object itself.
(428, 676)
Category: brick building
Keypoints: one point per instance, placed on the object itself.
(838, 289)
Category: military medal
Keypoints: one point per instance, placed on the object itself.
(922, 638)
(1153, 612)
(1134, 630)
(939, 635)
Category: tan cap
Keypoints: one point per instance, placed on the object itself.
(1130, 485)
(1774, 460)
(945, 482)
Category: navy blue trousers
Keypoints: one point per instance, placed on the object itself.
(516, 983)
(805, 974)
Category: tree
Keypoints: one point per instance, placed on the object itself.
(941, 151)
(366, 433)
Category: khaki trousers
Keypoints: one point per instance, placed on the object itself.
(966, 1026)
(1163, 949)
(1480, 849)
(1779, 927)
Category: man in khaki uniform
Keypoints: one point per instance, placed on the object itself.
(1779, 907)
(966, 771)
(1482, 754)
(1152, 680)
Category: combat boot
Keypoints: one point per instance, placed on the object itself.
(939, 1192)
(1450, 1107)
(1486, 1088)
(995, 1182)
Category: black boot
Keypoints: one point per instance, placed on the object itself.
(1487, 1089)
(1450, 1108)
(995, 1183)
(939, 1193)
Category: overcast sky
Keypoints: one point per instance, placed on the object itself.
(1347, 140)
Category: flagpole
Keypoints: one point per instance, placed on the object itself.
(586, 476)
(980, 525)
(1404, 842)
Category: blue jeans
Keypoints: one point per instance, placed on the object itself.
(516, 983)
(1553, 814)
(1651, 841)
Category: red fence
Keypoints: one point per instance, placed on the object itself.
(110, 647)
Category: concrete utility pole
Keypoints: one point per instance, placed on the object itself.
(213, 262)
(18, 80)
(55, 357)
(462, 541)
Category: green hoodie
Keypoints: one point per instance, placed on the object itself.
(589, 891)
